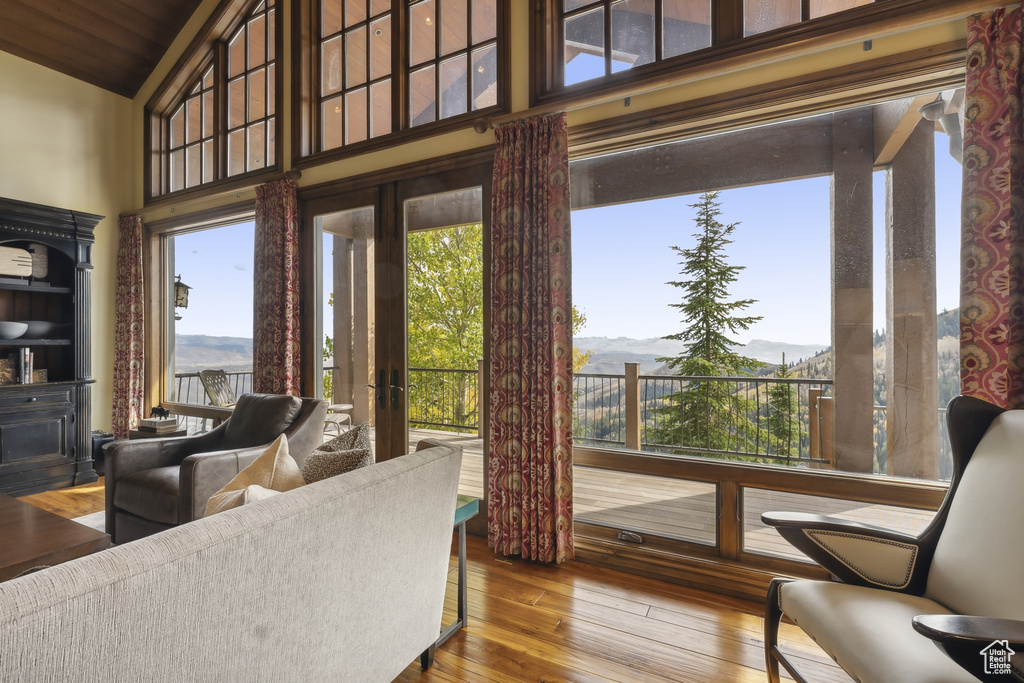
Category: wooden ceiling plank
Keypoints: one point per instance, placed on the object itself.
(72, 52)
(102, 28)
(73, 70)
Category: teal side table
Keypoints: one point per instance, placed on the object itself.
(466, 508)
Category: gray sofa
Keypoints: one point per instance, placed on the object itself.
(341, 580)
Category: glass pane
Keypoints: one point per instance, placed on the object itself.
(355, 57)
(194, 119)
(686, 26)
(178, 127)
(380, 124)
(421, 32)
(644, 504)
(331, 123)
(271, 29)
(330, 66)
(236, 102)
(584, 46)
(271, 89)
(453, 26)
(764, 540)
(355, 11)
(208, 114)
(193, 165)
(271, 141)
(217, 265)
(453, 86)
(422, 97)
(485, 77)
(177, 170)
(764, 15)
(570, 5)
(378, 6)
(257, 41)
(330, 17)
(236, 152)
(236, 54)
(209, 161)
(257, 146)
(257, 95)
(355, 116)
(632, 33)
(820, 8)
(485, 22)
(346, 310)
(380, 48)
(208, 78)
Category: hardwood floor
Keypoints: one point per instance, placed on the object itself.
(577, 622)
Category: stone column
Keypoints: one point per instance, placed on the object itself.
(912, 411)
(852, 159)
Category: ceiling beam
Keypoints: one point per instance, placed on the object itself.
(894, 122)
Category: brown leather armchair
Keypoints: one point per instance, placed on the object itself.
(156, 484)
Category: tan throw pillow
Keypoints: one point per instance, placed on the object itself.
(345, 453)
(274, 471)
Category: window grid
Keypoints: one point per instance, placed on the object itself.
(355, 71)
(449, 65)
(225, 124)
(602, 37)
(251, 130)
(191, 156)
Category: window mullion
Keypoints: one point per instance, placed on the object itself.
(220, 108)
(607, 37)
(399, 70)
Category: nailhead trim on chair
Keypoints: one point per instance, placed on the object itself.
(815, 536)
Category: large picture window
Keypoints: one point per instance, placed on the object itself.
(215, 118)
(374, 68)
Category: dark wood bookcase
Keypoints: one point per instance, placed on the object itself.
(45, 426)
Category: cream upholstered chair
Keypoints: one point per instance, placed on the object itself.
(960, 583)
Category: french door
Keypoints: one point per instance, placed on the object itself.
(357, 305)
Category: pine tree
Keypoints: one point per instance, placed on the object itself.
(708, 415)
(782, 415)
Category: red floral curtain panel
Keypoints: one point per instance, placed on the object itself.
(275, 342)
(530, 477)
(129, 321)
(992, 254)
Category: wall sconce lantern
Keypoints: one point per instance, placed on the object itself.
(180, 293)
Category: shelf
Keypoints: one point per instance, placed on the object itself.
(38, 290)
(35, 342)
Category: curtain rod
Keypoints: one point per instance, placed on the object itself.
(745, 54)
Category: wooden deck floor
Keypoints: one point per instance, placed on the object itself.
(681, 509)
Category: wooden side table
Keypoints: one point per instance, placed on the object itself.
(140, 434)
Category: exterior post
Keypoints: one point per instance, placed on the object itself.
(911, 356)
(633, 406)
(852, 338)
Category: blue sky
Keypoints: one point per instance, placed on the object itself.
(622, 260)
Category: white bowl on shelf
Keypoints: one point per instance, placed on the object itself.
(10, 329)
(38, 329)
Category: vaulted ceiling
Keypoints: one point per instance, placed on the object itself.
(112, 44)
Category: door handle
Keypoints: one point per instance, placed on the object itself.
(379, 387)
(396, 397)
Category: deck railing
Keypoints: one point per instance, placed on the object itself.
(188, 389)
(444, 399)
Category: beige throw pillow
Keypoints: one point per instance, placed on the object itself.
(274, 471)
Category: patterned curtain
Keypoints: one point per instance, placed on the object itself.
(992, 256)
(530, 478)
(275, 338)
(129, 321)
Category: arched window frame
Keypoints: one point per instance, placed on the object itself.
(238, 145)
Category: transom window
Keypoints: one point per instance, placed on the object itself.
(374, 75)
(601, 37)
(224, 124)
